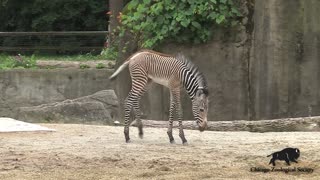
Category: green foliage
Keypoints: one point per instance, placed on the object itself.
(24, 61)
(154, 21)
(100, 66)
(52, 15)
(110, 53)
(84, 66)
(79, 57)
(9, 62)
(6, 62)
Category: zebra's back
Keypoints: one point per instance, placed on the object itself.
(161, 68)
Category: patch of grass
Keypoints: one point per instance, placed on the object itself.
(100, 66)
(18, 61)
(79, 57)
(106, 54)
(110, 53)
(84, 66)
(29, 61)
(6, 62)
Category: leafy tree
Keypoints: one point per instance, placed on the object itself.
(52, 15)
(154, 21)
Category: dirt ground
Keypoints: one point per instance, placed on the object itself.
(77, 152)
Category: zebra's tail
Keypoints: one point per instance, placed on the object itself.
(114, 75)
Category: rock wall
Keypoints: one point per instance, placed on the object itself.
(24, 88)
(98, 108)
(285, 61)
(267, 68)
(224, 66)
(224, 62)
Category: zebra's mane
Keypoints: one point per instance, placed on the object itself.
(193, 68)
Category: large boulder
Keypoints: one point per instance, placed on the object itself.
(98, 108)
(33, 87)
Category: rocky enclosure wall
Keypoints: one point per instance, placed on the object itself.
(285, 60)
(26, 88)
(267, 68)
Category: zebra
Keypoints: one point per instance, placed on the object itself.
(170, 71)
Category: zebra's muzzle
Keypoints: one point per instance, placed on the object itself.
(201, 129)
(203, 126)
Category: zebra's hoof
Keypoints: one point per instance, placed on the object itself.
(128, 141)
(172, 142)
(185, 143)
(141, 135)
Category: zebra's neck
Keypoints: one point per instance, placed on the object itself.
(192, 78)
(192, 81)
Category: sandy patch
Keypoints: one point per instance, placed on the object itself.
(99, 152)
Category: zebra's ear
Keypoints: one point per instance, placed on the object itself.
(203, 90)
(199, 92)
(206, 92)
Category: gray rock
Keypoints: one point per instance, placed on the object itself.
(33, 87)
(98, 108)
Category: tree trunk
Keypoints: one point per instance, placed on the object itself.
(275, 125)
(115, 7)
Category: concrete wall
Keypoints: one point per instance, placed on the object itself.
(224, 62)
(269, 67)
(20, 88)
(225, 68)
(285, 61)
(266, 68)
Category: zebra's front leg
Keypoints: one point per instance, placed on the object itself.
(171, 115)
(178, 109)
(169, 132)
(181, 132)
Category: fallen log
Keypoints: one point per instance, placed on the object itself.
(274, 125)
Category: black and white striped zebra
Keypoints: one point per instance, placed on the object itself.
(173, 72)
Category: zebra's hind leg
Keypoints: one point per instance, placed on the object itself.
(127, 110)
(139, 82)
(132, 101)
(138, 117)
(136, 106)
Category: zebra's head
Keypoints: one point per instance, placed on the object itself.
(200, 105)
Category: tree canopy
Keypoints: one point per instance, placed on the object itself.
(52, 15)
